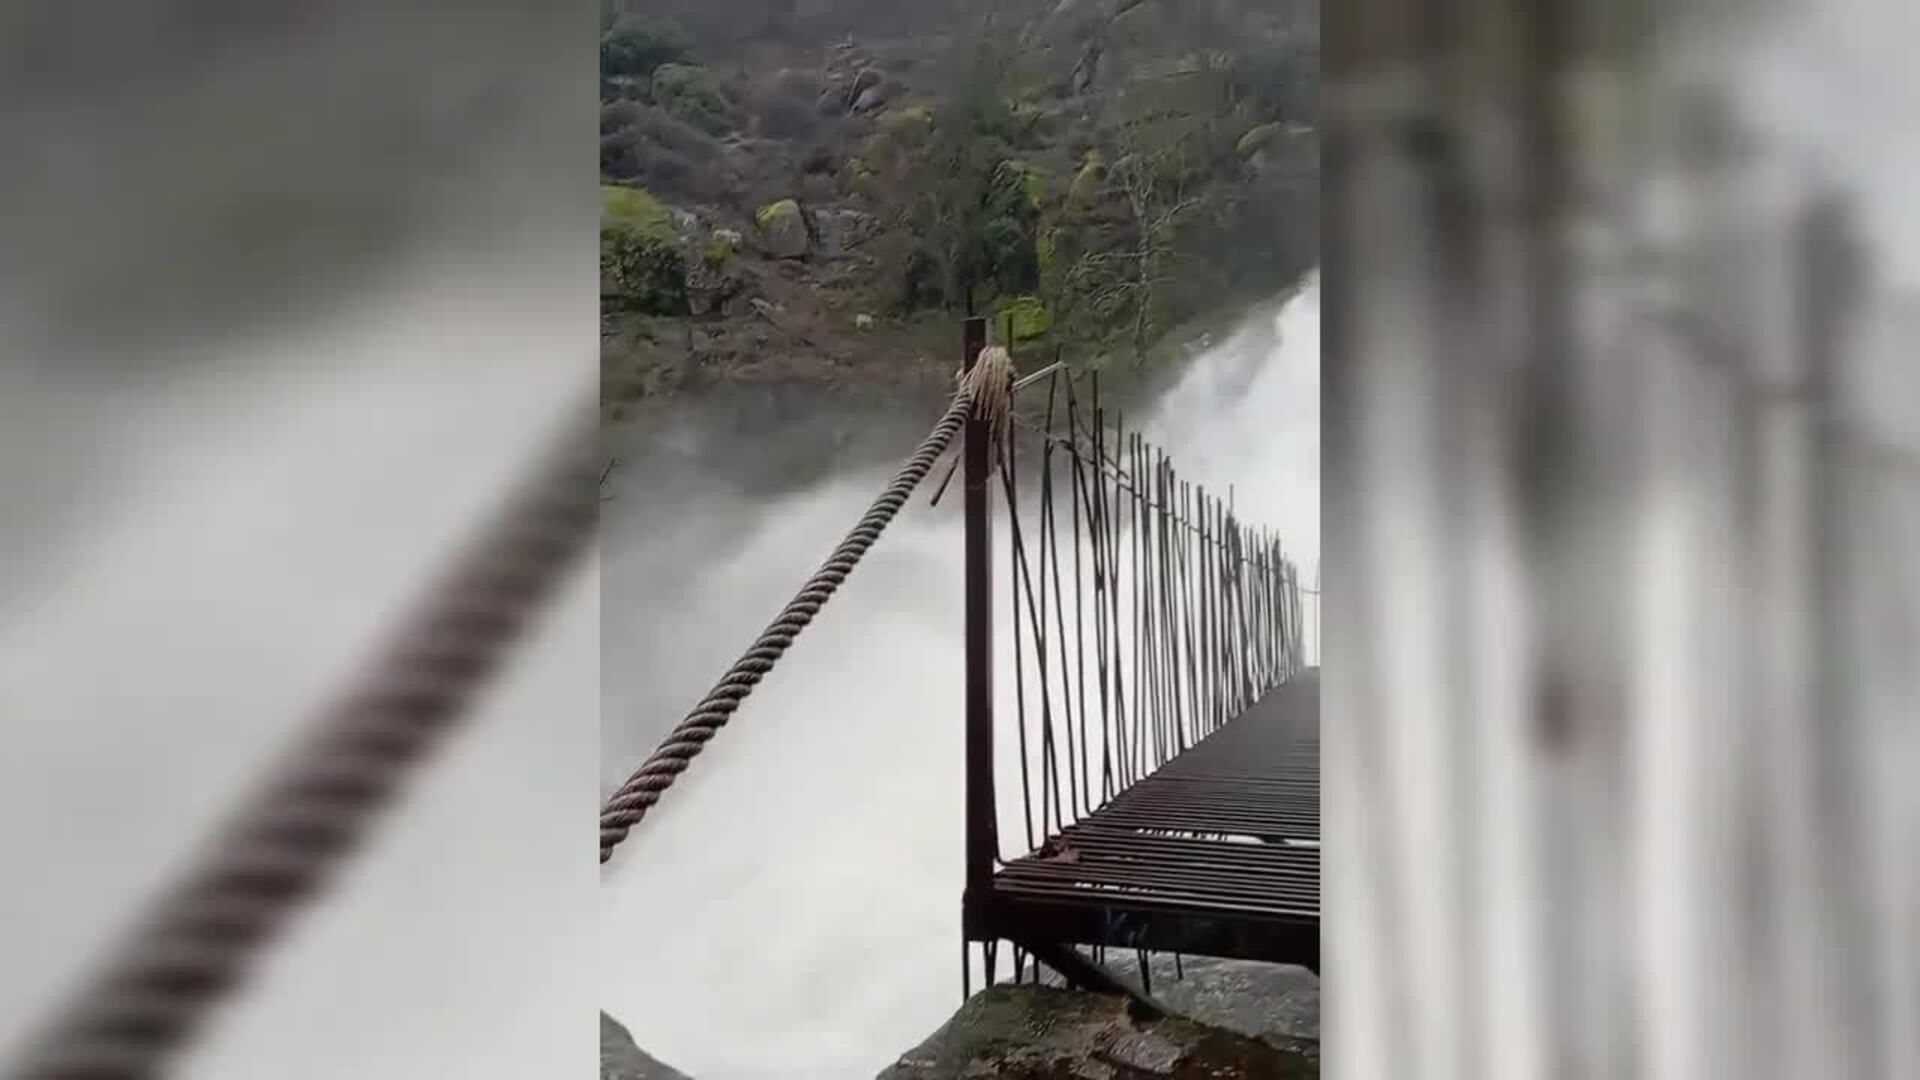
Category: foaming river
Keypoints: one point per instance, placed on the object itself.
(792, 907)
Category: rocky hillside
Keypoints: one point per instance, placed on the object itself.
(817, 189)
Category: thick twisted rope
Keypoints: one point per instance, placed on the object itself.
(198, 945)
(985, 390)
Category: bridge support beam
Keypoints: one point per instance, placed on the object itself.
(1083, 974)
(981, 810)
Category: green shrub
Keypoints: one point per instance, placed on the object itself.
(1032, 181)
(644, 273)
(640, 260)
(1086, 183)
(1009, 233)
(921, 283)
(1045, 247)
(1024, 318)
(635, 48)
(1029, 122)
(692, 95)
(905, 121)
(635, 208)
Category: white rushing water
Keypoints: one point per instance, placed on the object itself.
(791, 910)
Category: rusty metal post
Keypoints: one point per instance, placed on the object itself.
(982, 825)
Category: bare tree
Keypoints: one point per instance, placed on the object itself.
(1155, 190)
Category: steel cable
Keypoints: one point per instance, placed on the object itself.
(197, 947)
(990, 383)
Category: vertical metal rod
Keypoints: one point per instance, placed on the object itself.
(1016, 562)
(1050, 546)
(1145, 679)
(1022, 571)
(981, 811)
(1155, 616)
(1120, 679)
(1050, 785)
(1077, 494)
(1183, 618)
(1210, 610)
(1107, 629)
(1136, 528)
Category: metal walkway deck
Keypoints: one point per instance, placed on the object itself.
(1217, 853)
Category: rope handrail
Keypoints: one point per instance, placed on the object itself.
(984, 392)
(196, 948)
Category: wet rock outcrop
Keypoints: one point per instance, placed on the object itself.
(1031, 1032)
(620, 1059)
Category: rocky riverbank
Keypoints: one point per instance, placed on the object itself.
(620, 1059)
(1031, 1032)
(1228, 1021)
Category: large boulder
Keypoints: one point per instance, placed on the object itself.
(875, 97)
(783, 229)
(835, 232)
(829, 230)
(620, 1059)
(712, 284)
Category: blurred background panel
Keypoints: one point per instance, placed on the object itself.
(289, 295)
(1624, 486)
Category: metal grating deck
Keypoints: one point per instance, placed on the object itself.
(1216, 853)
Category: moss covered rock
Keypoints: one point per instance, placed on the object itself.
(783, 229)
(721, 246)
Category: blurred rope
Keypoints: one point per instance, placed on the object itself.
(196, 947)
(985, 391)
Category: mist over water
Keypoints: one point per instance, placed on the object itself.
(1245, 421)
(792, 907)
